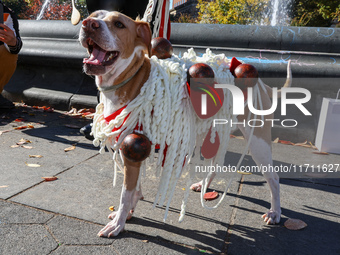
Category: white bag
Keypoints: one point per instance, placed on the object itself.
(328, 133)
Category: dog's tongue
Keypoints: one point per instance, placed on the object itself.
(97, 56)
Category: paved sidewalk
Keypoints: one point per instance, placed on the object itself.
(64, 216)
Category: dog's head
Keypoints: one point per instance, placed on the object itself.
(114, 42)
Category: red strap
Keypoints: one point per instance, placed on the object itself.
(114, 115)
(161, 28)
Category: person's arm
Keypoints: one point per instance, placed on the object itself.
(9, 34)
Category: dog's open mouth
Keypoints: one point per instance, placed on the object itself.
(99, 56)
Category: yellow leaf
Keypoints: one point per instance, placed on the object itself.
(35, 156)
(112, 208)
(27, 147)
(32, 165)
(70, 148)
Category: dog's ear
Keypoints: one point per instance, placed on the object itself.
(144, 33)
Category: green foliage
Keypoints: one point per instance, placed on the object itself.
(320, 13)
(183, 18)
(248, 12)
(232, 11)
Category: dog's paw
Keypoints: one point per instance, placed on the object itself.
(196, 186)
(272, 217)
(113, 215)
(112, 229)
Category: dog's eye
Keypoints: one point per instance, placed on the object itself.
(119, 24)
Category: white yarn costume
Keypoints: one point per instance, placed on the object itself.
(164, 109)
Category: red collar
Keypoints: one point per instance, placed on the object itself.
(114, 115)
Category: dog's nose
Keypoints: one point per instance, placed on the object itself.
(90, 23)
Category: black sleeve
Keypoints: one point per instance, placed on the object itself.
(14, 49)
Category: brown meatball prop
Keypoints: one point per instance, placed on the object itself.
(200, 70)
(136, 147)
(246, 76)
(161, 48)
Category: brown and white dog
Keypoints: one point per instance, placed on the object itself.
(117, 46)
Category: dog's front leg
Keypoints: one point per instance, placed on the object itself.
(131, 173)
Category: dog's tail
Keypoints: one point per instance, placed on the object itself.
(287, 84)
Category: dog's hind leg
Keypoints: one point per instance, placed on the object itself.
(131, 174)
(260, 149)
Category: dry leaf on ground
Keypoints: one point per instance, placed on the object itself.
(295, 224)
(21, 127)
(27, 147)
(4, 186)
(112, 208)
(32, 165)
(50, 179)
(286, 142)
(320, 152)
(35, 156)
(276, 140)
(23, 141)
(5, 131)
(70, 148)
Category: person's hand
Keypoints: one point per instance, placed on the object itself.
(7, 35)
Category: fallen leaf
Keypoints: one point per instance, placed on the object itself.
(239, 137)
(30, 126)
(15, 146)
(232, 136)
(4, 186)
(19, 120)
(5, 131)
(72, 111)
(48, 109)
(50, 179)
(301, 144)
(313, 146)
(183, 188)
(286, 142)
(32, 165)
(276, 140)
(27, 147)
(320, 153)
(43, 108)
(35, 156)
(70, 148)
(145, 241)
(23, 141)
(21, 127)
(112, 208)
(295, 224)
